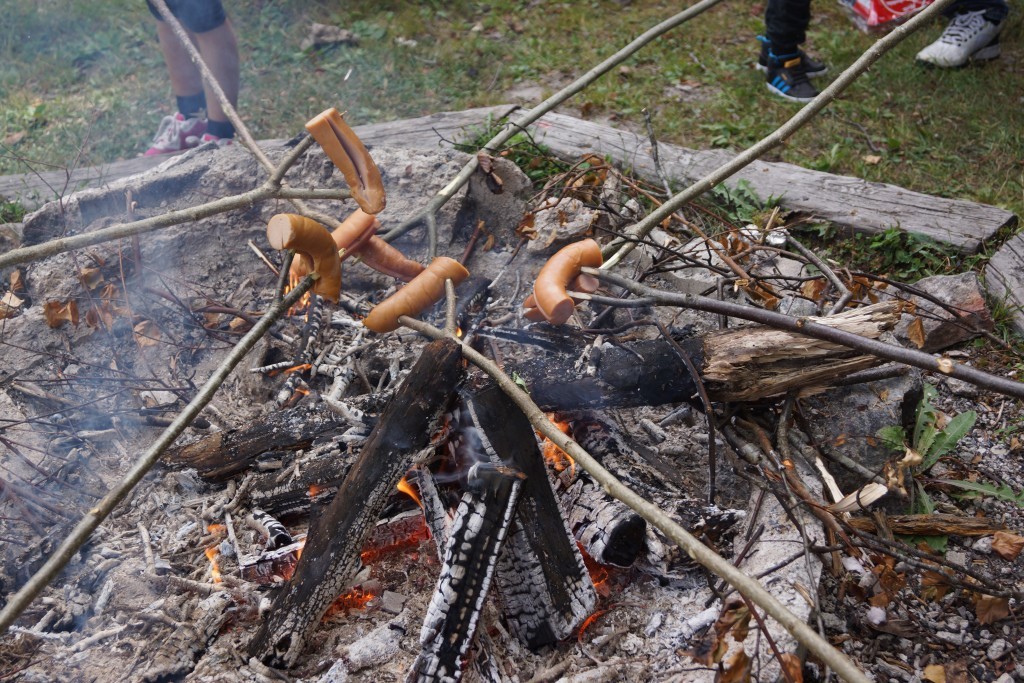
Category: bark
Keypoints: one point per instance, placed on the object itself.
(330, 559)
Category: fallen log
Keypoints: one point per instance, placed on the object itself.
(331, 557)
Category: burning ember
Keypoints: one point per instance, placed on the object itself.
(211, 555)
(555, 456)
(356, 598)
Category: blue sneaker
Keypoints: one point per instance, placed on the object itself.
(787, 78)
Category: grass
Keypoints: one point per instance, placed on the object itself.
(83, 82)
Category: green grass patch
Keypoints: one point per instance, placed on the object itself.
(84, 83)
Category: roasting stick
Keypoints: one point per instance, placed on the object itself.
(428, 214)
(94, 517)
(712, 561)
(810, 328)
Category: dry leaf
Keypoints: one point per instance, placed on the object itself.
(14, 138)
(709, 650)
(735, 617)
(990, 609)
(872, 159)
(915, 332)
(91, 277)
(737, 669)
(792, 667)
(147, 333)
(813, 289)
(1007, 545)
(934, 585)
(9, 305)
(936, 673)
(57, 313)
(17, 283)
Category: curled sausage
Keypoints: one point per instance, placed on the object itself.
(384, 258)
(549, 290)
(315, 249)
(348, 153)
(423, 291)
(354, 231)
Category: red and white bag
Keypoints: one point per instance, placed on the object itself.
(881, 15)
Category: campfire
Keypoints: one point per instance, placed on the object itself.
(364, 502)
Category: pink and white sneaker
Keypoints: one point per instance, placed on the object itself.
(194, 141)
(175, 133)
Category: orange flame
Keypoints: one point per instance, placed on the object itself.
(211, 555)
(405, 487)
(356, 598)
(599, 574)
(314, 490)
(555, 456)
(216, 528)
(588, 621)
(303, 303)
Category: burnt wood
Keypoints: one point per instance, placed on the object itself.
(545, 589)
(331, 557)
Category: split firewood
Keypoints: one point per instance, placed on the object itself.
(740, 364)
(544, 587)
(331, 557)
(935, 524)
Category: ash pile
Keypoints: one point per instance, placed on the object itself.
(495, 557)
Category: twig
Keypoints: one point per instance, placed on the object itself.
(147, 549)
(709, 559)
(808, 327)
(618, 249)
(450, 324)
(847, 295)
(429, 213)
(92, 519)
(654, 152)
(709, 410)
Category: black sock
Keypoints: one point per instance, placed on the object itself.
(220, 129)
(191, 105)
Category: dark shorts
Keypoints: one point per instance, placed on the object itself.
(198, 16)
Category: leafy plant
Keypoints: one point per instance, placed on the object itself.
(928, 442)
(741, 202)
(11, 212)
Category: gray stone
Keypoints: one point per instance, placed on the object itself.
(983, 545)
(501, 212)
(998, 649)
(950, 637)
(392, 602)
(845, 420)
(559, 222)
(941, 328)
(1004, 278)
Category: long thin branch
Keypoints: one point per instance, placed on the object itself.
(92, 519)
(808, 327)
(618, 249)
(713, 562)
(211, 82)
(429, 213)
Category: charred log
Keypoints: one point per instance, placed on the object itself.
(331, 558)
(544, 586)
(746, 363)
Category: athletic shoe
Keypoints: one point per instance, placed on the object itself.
(968, 37)
(174, 133)
(194, 141)
(787, 78)
(812, 67)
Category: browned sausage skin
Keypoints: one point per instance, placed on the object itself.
(315, 250)
(348, 153)
(549, 290)
(423, 291)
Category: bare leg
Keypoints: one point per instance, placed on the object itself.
(219, 49)
(185, 77)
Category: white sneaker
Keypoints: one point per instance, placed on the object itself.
(969, 37)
